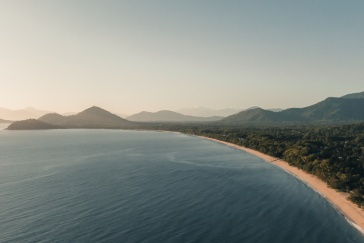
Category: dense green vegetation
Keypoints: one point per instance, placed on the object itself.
(334, 153)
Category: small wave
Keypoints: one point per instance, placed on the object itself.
(25, 180)
(172, 158)
(355, 225)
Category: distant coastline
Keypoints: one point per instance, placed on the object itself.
(353, 214)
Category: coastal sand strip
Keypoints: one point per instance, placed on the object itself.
(353, 214)
(349, 210)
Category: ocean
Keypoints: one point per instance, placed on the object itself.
(139, 186)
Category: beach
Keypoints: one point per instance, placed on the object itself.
(349, 210)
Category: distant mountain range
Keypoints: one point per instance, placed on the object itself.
(207, 112)
(169, 116)
(329, 110)
(91, 117)
(21, 114)
(30, 113)
(349, 108)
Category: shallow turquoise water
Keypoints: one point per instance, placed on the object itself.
(132, 186)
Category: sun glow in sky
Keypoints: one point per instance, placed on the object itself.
(129, 56)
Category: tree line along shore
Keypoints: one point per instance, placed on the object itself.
(333, 153)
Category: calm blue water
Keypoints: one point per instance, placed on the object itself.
(130, 186)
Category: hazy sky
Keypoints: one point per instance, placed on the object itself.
(128, 56)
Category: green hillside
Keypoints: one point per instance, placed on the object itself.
(354, 96)
(329, 110)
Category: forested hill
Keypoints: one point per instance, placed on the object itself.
(329, 110)
(354, 96)
(93, 117)
(169, 116)
(31, 124)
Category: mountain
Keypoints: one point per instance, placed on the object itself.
(255, 107)
(252, 116)
(53, 118)
(5, 121)
(93, 117)
(27, 113)
(354, 96)
(75, 113)
(206, 112)
(31, 124)
(329, 110)
(168, 116)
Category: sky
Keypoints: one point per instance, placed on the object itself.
(132, 56)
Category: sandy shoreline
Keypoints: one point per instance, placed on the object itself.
(352, 212)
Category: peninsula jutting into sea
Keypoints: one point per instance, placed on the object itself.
(322, 144)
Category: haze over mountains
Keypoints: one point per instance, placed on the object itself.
(207, 112)
(91, 117)
(165, 116)
(4, 121)
(31, 113)
(349, 108)
(169, 116)
(22, 114)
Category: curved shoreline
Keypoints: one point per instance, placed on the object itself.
(353, 214)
